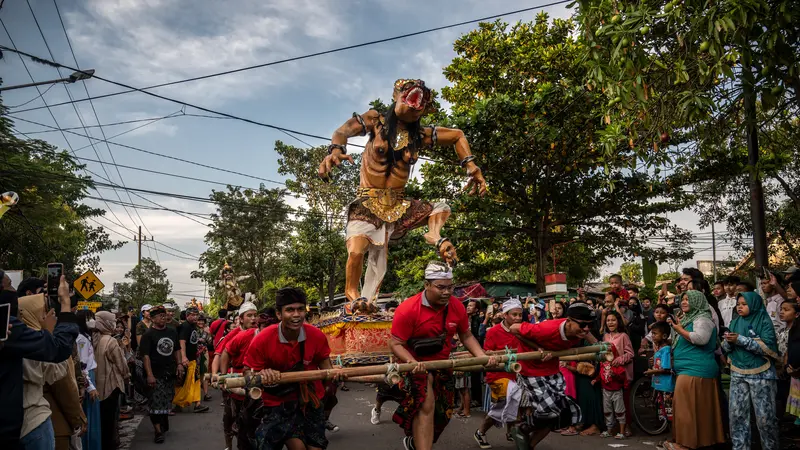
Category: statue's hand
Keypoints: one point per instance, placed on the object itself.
(334, 159)
(476, 184)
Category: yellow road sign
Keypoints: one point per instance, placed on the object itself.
(92, 306)
(88, 284)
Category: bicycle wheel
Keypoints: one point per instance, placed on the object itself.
(645, 409)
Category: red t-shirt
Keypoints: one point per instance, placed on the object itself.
(549, 335)
(413, 320)
(497, 338)
(237, 348)
(266, 351)
(229, 337)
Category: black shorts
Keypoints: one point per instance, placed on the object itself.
(290, 420)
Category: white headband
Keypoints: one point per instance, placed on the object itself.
(438, 271)
(510, 304)
(246, 306)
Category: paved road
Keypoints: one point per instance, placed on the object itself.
(204, 431)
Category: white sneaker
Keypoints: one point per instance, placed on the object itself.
(376, 417)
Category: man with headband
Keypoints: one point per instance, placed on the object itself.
(224, 361)
(162, 363)
(505, 391)
(291, 414)
(422, 329)
(543, 383)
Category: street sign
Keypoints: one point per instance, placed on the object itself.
(91, 306)
(88, 284)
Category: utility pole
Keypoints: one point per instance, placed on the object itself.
(139, 240)
(714, 252)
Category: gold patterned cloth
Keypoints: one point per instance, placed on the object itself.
(388, 204)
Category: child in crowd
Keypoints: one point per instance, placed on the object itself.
(791, 358)
(663, 382)
(613, 380)
(788, 313)
(660, 313)
(623, 360)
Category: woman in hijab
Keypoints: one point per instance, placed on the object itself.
(697, 418)
(112, 371)
(752, 347)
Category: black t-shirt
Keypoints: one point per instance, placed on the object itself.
(160, 346)
(188, 332)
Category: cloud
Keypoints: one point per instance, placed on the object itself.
(153, 41)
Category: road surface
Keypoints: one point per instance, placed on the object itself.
(204, 431)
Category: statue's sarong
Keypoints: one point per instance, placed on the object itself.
(380, 215)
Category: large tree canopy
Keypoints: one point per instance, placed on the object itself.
(518, 94)
(148, 285)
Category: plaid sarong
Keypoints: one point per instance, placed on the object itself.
(548, 398)
(415, 388)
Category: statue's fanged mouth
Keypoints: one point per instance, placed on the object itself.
(415, 98)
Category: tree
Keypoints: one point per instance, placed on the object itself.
(50, 223)
(699, 68)
(318, 253)
(631, 272)
(149, 285)
(668, 276)
(519, 97)
(250, 231)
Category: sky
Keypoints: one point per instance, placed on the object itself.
(147, 42)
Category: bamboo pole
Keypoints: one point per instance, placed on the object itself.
(315, 375)
(607, 356)
(368, 379)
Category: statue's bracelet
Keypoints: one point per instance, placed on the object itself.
(474, 171)
(339, 146)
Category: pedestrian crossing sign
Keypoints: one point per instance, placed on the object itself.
(88, 284)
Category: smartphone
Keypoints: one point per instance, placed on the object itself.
(490, 309)
(54, 272)
(5, 319)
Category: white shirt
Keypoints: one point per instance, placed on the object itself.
(86, 353)
(726, 307)
(773, 305)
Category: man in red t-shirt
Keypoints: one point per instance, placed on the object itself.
(506, 393)
(543, 382)
(222, 362)
(422, 330)
(291, 414)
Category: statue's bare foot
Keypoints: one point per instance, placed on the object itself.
(447, 251)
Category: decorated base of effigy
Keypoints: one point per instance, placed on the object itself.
(357, 339)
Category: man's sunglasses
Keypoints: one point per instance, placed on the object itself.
(449, 287)
(583, 324)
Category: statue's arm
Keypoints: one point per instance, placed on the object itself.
(447, 137)
(358, 125)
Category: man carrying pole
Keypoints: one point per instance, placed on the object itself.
(422, 330)
(231, 356)
(506, 393)
(544, 384)
(292, 414)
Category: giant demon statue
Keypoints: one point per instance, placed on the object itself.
(381, 212)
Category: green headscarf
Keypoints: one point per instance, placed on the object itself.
(698, 307)
(758, 321)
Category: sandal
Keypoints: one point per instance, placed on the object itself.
(569, 432)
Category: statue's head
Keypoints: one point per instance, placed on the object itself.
(411, 98)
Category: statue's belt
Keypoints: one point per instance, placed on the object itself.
(387, 204)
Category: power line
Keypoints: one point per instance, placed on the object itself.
(34, 98)
(111, 124)
(130, 147)
(69, 145)
(130, 239)
(94, 111)
(326, 52)
(74, 107)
